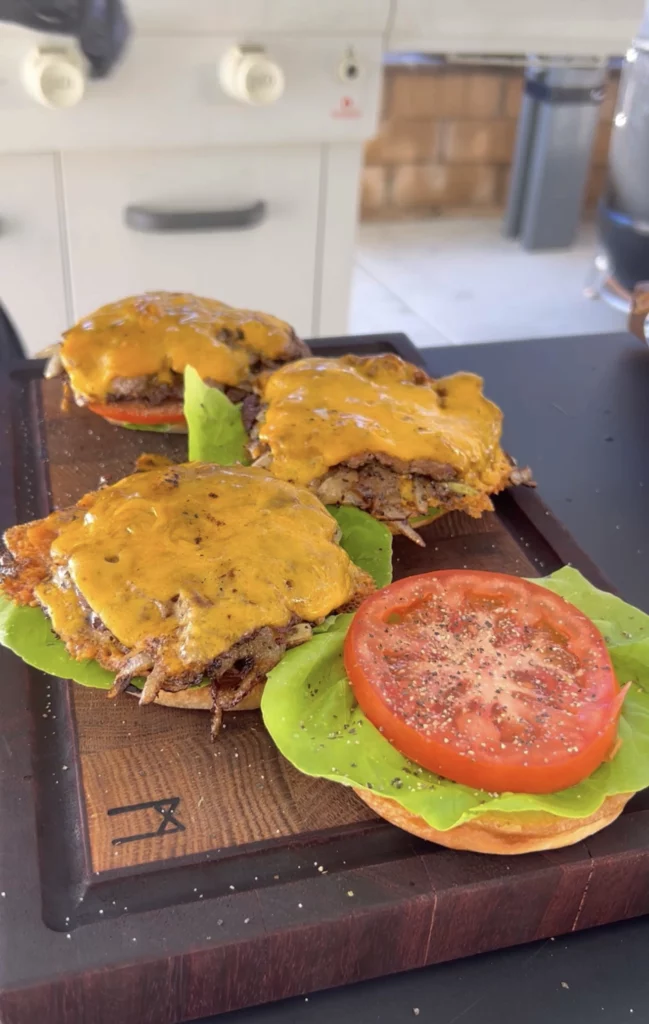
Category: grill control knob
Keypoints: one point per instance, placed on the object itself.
(54, 76)
(249, 75)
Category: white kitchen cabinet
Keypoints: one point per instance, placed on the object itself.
(165, 132)
(32, 279)
(281, 17)
(554, 27)
(270, 266)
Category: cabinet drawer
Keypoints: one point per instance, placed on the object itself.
(176, 241)
(31, 269)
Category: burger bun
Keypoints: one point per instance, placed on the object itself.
(523, 832)
(199, 698)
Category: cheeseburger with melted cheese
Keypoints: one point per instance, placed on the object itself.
(379, 433)
(126, 360)
(185, 574)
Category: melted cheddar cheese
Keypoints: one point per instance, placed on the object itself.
(156, 334)
(195, 557)
(321, 412)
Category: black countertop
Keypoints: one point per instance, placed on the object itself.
(577, 410)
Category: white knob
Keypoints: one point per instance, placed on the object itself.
(54, 77)
(247, 74)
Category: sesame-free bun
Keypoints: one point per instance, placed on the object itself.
(199, 698)
(524, 832)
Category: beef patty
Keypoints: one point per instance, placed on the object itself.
(179, 623)
(397, 491)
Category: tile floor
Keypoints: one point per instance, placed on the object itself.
(458, 281)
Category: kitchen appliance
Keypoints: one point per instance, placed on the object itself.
(221, 155)
(623, 215)
(218, 148)
(621, 267)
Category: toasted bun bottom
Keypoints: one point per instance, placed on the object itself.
(199, 698)
(524, 832)
(420, 523)
(172, 428)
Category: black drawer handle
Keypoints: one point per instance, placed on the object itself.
(150, 220)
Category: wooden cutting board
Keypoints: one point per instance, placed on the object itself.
(148, 875)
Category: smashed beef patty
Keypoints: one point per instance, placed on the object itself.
(183, 573)
(379, 433)
(137, 348)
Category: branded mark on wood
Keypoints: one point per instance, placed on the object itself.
(165, 808)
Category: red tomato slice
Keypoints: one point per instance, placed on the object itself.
(485, 679)
(140, 412)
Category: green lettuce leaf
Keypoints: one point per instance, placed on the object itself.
(309, 709)
(367, 541)
(27, 632)
(214, 425)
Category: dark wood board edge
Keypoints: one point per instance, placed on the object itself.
(370, 344)
(60, 809)
(308, 939)
(176, 881)
(155, 978)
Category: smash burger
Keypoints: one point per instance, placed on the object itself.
(188, 581)
(474, 709)
(379, 434)
(125, 361)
